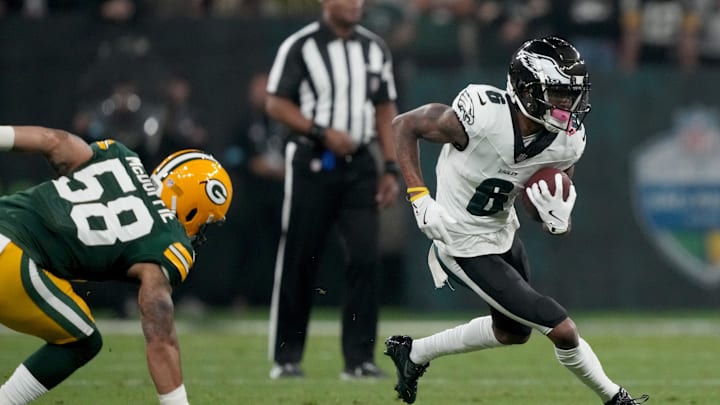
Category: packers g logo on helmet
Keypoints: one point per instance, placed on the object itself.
(216, 191)
(196, 186)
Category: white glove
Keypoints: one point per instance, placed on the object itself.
(553, 210)
(431, 218)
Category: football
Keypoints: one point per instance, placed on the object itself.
(547, 174)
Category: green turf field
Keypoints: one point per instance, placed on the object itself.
(673, 357)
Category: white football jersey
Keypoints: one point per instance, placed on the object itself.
(478, 184)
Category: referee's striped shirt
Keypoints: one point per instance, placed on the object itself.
(335, 81)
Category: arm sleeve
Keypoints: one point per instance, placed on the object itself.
(386, 91)
(176, 262)
(176, 259)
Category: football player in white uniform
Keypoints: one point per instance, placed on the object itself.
(494, 141)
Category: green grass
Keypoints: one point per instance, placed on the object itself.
(673, 357)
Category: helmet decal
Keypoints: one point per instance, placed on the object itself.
(544, 68)
(216, 191)
(178, 159)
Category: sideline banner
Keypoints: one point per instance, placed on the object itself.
(676, 186)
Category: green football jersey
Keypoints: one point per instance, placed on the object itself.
(98, 221)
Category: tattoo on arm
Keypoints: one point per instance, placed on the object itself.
(438, 123)
(157, 310)
(61, 168)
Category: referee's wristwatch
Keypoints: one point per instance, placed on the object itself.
(391, 167)
(317, 133)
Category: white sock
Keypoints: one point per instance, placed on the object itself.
(178, 396)
(472, 336)
(583, 362)
(21, 388)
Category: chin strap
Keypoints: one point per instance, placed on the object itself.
(200, 238)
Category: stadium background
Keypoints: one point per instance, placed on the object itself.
(50, 66)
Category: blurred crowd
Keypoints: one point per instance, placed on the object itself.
(611, 33)
(152, 112)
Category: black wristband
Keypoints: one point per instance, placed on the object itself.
(317, 133)
(391, 167)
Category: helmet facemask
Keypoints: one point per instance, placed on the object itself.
(200, 238)
(565, 108)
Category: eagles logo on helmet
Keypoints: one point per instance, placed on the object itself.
(197, 188)
(543, 70)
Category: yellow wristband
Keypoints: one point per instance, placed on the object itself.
(418, 195)
(420, 192)
(416, 189)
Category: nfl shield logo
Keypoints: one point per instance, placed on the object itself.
(676, 185)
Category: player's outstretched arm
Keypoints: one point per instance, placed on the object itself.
(63, 150)
(157, 316)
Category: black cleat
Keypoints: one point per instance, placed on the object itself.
(624, 398)
(398, 348)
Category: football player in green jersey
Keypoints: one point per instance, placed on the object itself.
(104, 218)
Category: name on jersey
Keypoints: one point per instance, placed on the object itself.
(508, 172)
(151, 189)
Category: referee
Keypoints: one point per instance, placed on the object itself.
(332, 84)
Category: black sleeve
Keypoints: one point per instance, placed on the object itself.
(386, 91)
(288, 70)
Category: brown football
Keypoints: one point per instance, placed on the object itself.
(547, 174)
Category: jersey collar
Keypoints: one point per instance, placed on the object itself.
(326, 32)
(543, 139)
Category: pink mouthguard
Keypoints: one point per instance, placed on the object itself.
(560, 115)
